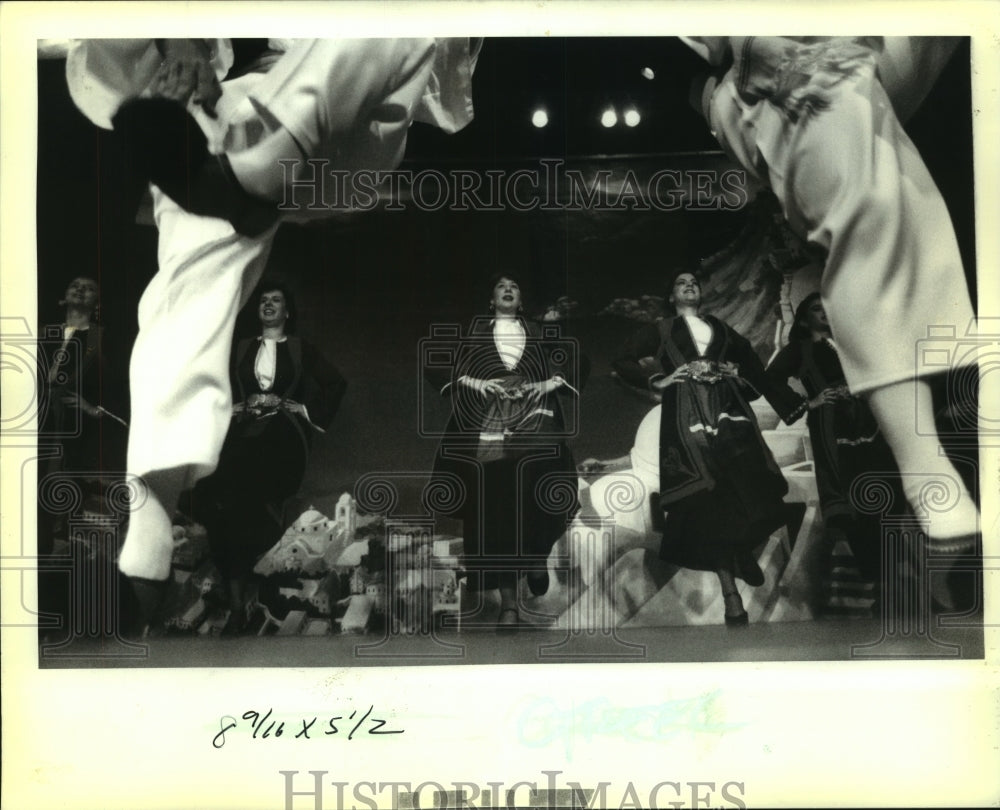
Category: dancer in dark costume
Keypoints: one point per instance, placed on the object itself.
(719, 484)
(845, 437)
(84, 397)
(285, 392)
(505, 443)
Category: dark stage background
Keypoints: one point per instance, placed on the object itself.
(369, 288)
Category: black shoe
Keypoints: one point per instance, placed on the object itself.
(748, 570)
(954, 586)
(168, 148)
(149, 595)
(741, 619)
(538, 582)
(236, 624)
(508, 622)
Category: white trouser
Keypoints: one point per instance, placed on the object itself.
(850, 180)
(179, 372)
(350, 102)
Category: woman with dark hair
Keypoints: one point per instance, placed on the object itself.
(80, 407)
(81, 435)
(284, 392)
(719, 484)
(845, 436)
(505, 453)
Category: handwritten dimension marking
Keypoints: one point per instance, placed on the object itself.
(262, 726)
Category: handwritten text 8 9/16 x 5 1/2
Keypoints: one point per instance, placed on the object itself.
(263, 727)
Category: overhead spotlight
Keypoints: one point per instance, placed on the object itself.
(632, 117)
(609, 117)
(647, 73)
(540, 118)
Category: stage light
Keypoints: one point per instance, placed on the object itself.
(632, 117)
(647, 73)
(540, 118)
(609, 117)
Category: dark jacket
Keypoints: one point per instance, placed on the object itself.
(704, 424)
(303, 375)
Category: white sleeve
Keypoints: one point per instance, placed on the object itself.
(711, 49)
(102, 73)
(447, 101)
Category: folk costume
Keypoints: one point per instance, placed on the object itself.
(346, 103)
(719, 484)
(846, 442)
(507, 460)
(89, 450)
(79, 364)
(264, 457)
(817, 119)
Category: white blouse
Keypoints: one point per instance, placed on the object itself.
(509, 337)
(266, 362)
(701, 332)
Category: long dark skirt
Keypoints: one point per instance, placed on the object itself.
(240, 503)
(718, 528)
(514, 517)
(847, 443)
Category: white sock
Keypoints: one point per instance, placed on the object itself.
(149, 542)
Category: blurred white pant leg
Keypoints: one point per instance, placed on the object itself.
(850, 180)
(179, 372)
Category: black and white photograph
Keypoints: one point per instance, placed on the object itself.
(599, 399)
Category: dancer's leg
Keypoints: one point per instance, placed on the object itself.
(348, 101)
(851, 181)
(508, 619)
(181, 400)
(930, 482)
(734, 612)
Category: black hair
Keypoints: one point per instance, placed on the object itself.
(668, 287)
(799, 331)
(95, 315)
(270, 285)
(495, 279)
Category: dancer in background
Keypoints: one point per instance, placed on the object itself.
(506, 444)
(285, 394)
(84, 403)
(720, 486)
(818, 119)
(83, 421)
(845, 437)
(212, 147)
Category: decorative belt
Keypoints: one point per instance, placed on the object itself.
(710, 371)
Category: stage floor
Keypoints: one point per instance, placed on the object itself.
(817, 640)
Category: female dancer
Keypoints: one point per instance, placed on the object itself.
(845, 437)
(79, 382)
(285, 392)
(719, 484)
(506, 444)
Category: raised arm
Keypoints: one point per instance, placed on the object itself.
(102, 73)
(789, 404)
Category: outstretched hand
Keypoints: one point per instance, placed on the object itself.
(292, 406)
(76, 401)
(679, 375)
(543, 387)
(187, 74)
